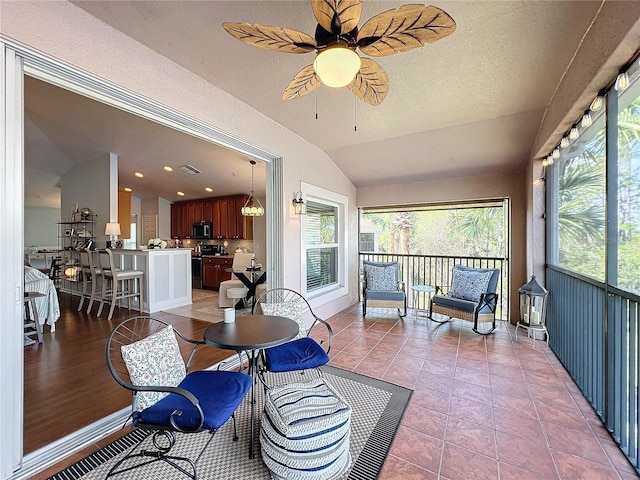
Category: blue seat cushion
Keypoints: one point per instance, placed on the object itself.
(459, 304)
(300, 354)
(396, 295)
(219, 394)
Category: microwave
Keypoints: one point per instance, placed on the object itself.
(202, 230)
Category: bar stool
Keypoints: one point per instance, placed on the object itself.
(30, 304)
(90, 275)
(118, 284)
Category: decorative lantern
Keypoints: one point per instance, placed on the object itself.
(533, 308)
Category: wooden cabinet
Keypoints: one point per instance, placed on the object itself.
(224, 213)
(124, 213)
(180, 226)
(214, 271)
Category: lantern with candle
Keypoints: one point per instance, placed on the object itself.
(533, 310)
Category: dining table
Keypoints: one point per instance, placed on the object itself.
(250, 278)
(251, 334)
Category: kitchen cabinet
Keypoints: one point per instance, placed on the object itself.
(179, 221)
(214, 271)
(223, 212)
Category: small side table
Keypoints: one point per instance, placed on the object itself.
(533, 331)
(417, 290)
(30, 305)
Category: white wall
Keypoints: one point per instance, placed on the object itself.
(87, 185)
(40, 227)
(164, 218)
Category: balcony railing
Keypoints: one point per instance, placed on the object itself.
(436, 270)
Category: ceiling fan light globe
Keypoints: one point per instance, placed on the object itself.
(337, 66)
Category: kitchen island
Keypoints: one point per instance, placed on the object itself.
(167, 275)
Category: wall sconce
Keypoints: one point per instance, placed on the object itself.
(113, 230)
(299, 207)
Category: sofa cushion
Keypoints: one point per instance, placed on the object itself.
(468, 284)
(381, 278)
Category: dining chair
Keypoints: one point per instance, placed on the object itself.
(303, 352)
(151, 359)
(240, 262)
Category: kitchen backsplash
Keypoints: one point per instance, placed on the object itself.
(230, 245)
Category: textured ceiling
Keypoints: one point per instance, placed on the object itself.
(470, 103)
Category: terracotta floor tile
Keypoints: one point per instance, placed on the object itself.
(425, 420)
(507, 371)
(472, 391)
(432, 366)
(417, 448)
(413, 351)
(511, 386)
(476, 412)
(472, 436)
(431, 399)
(461, 464)
(471, 376)
(472, 364)
(571, 466)
(510, 472)
(566, 417)
(518, 403)
(526, 455)
(404, 377)
(575, 442)
(397, 469)
(512, 422)
(406, 362)
(440, 383)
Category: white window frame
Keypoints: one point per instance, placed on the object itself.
(341, 202)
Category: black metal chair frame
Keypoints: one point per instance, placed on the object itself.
(487, 299)
(283, 295)
(129, 331)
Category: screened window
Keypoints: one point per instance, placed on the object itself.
(581, 202)
(322, 245)
(628, 231)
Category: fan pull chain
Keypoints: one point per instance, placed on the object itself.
(316, 103)
(355, 114)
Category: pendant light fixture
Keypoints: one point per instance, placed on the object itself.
(252, 207)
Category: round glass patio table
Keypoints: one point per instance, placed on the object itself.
(417, 290)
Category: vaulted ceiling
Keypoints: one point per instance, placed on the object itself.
(470, 103)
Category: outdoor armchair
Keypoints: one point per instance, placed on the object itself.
(382, 288)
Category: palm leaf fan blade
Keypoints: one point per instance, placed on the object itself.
(305, 81)
(371, 84)
(409, 27)
(337, 16)
(271, 38)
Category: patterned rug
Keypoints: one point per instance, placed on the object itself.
(197, 295)
(377, 408)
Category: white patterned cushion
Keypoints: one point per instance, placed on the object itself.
(155, 360)
(468, 285)
(291, 309)
(381, 278)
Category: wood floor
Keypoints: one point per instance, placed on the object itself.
(67, 385)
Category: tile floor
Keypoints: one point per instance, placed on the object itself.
(483, 407)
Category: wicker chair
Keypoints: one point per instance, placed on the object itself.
(381, 287)
(472, 297)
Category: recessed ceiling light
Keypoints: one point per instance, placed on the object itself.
(208, 189)
(127, 189)
(168, 168)
(139, 175)
(181, 194)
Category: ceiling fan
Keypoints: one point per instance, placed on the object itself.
(337, 38)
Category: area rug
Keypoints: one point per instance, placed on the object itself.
(377, 409)
(197, 295)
